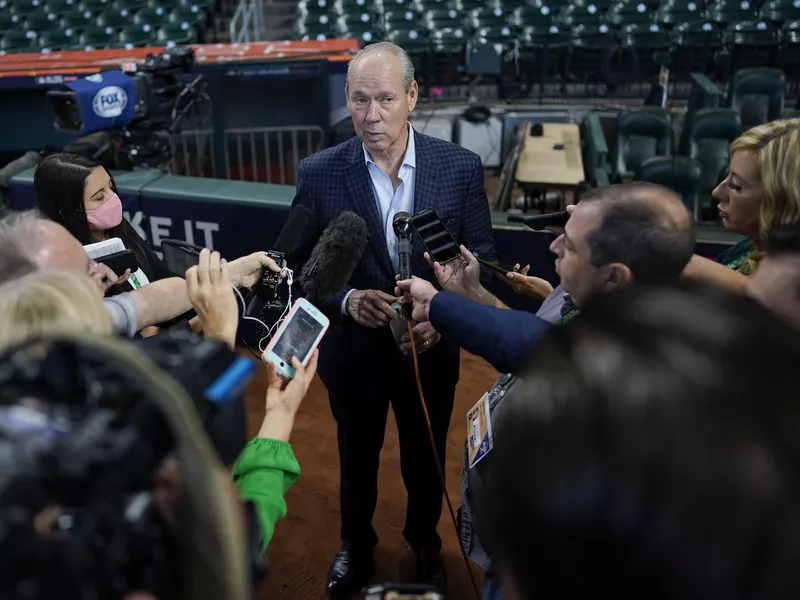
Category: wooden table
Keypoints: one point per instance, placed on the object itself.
(552, 161)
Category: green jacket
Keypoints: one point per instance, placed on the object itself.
(734, 256)
(264, 472)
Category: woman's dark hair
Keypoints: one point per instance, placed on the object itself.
(651, 450)
(59, 183)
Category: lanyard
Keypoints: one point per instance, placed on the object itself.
(571, 314)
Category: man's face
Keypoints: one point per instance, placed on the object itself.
(60, 250)
(776, 285)
(573, 263)
(377, 101)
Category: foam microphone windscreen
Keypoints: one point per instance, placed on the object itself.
(334, 258)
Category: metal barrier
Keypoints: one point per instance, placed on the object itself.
(270, 154)
(193, 153)
(247, 22)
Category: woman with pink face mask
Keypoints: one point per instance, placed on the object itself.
(80, 194)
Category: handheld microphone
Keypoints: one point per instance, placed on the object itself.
(402, 229)
(266, 290)
(334, 258)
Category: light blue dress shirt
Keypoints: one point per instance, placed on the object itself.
(391, 201)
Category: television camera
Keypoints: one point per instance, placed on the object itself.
(128, 116)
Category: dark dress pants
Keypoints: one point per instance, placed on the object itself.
(364, 371)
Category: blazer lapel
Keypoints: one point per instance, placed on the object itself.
(359, 187)
(427, 172)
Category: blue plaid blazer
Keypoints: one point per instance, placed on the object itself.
(448, 179)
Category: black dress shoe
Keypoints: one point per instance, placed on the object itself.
(349, 572)
(430, 570)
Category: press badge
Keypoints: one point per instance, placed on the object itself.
(479, 431)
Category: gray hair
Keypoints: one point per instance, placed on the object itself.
(18, 237)
(406, 66)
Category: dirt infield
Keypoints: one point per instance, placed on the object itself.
(306, 541)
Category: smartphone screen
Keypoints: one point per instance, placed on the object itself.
(298, 338)
(437, 240)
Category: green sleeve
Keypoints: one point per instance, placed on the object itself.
(264, 472)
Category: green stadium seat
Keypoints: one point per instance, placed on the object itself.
(176, 33)
(629, 12)
(131, 5)
(95, 6)
(641, 134)
(467, 6)
(694, 46)
(313, 26)
(652, 43)
(757, 95)
(581, 13)
(414, 42)
(355, 21)
(528, 16)
(137, 36)
(77, 20)
(150, 16)
(588, 46)
(547, 47)
(398, 5)
(57, 40)
(95, 36)
(780, 11)
(193, 15)
(61, 6)
(364, 37)
(443, 18)
(500, 34)
(204, 4)
(724, 12)
(7, 21)
(487, 17)
(404, 19)
(750, 44)
(423, 6)
(712, 131)
(679, 173)
(673, 12)
(344, 7)
(26, 7)
(167, 5)
(448, 41)
(313, 7)
(41, 21)
(115, 18)
(18, 41)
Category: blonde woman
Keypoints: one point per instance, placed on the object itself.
(51, 302)
(761, 192)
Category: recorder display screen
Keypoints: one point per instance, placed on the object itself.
(298, 337)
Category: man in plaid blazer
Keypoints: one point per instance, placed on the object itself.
(388, 168)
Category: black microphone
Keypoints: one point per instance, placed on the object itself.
(540, 222)
(334, 258)
(266, 289)
(402, 229)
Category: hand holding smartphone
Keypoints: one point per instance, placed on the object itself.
(298, 337)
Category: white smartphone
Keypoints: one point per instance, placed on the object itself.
(298, 336)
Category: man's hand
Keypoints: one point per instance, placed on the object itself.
(425, 337)
(209, 288)
(461, 276)
(105, 278)
(422, 292)
(524, 285)
(371, 308)
(246, 271)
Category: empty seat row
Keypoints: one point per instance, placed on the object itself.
(115, 19)
(96, 37)
(25, 7)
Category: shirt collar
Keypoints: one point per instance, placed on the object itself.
(410, 158)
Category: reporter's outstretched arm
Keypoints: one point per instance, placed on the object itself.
(504, 338)
(267, 467)
(161, 301)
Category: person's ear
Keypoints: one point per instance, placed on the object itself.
(413, 96)
(617, 275)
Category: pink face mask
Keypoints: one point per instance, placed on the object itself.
(107, 215)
